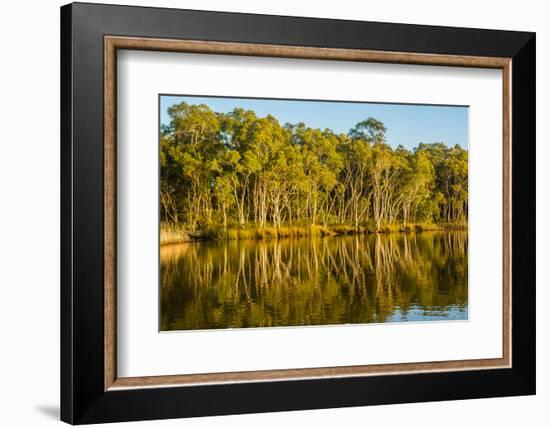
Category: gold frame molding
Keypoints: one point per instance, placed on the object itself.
(113, 43)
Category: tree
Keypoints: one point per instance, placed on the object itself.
(224, 196)
(238, 168)
(418, 185)
(355, 200)
(191, 148)
(321, 164)
(370, 130)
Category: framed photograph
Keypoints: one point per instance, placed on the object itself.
(266, 213)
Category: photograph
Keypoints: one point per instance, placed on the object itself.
(287, 212)
(276, 210)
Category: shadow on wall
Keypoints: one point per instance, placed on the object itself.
(50, 411)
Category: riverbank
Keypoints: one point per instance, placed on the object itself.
(175, 234)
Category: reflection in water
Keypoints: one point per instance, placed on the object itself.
(332, 280)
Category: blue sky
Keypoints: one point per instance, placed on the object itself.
(407, 124)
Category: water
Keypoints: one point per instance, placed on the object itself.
(314, 281)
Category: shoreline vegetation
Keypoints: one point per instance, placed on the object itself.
(234, 175)
(175, 234)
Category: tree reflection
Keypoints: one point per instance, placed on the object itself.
(335, 280)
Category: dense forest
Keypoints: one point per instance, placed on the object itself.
(237, 175)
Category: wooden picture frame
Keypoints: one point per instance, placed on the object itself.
(91, 390)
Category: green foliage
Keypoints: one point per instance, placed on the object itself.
(238, 176)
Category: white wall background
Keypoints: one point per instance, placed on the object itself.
(29, 214)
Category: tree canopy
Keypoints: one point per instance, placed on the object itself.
(237, 169)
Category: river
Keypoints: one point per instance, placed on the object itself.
(372, 278)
